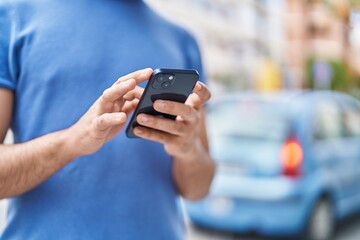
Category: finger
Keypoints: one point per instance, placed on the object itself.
(175, 108)
(117, 106)
(201, 94)
(129, 97)
(112, 94)
(108, 120)
(115, 92)
(162, 124)
(139, 76)
(130, 106)
(136, 93)
(153, 135)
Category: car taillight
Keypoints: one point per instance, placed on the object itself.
(291, 157)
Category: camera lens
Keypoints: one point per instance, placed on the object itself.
(160, 78)
(166, 84)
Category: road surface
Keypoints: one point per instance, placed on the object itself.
(348, 229)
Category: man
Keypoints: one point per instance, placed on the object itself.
(72, 173)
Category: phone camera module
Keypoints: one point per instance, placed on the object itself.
(164, 81)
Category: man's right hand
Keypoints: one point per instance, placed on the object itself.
(26, 165)
(108, 115)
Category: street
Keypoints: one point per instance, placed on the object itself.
(348, 229)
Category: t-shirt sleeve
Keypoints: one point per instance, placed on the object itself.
(6, 80)
(194, 57)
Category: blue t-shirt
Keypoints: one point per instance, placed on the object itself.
(58, 56)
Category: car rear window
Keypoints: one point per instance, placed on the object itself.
(248, 119)
(248, 133)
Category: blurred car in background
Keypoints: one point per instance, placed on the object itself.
(287, 164)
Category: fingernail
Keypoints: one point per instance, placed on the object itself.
(161, 104)
(138, 131)
(198, 87)
(144, 118)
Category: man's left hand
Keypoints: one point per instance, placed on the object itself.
(179, 137)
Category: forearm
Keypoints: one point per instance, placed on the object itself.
(26, 165)
(193, 175)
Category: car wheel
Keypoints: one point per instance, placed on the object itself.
(322, 222)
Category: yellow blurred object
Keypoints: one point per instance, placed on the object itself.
(268, 77)
(341, 8)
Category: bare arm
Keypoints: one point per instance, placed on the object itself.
(185, 140)
(193, 173)
(26, 165)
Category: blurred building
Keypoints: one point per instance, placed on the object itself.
(327, 45)
(235, 36)
(270, 44)
(296, 42)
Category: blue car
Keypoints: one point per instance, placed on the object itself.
(288, 164)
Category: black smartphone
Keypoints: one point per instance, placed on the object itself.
(164, 84)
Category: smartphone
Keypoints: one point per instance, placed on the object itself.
(164, 84)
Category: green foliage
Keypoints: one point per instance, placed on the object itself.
(355, 3)
(342, 79)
